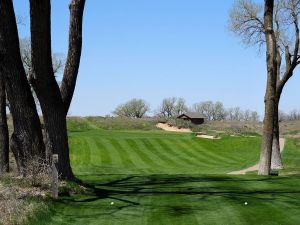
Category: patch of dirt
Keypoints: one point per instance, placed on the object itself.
(255, 167)
(287, 127)
(294, 135)
(167, 127)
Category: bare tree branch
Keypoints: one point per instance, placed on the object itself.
(246, 21)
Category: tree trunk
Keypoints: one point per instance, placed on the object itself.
(268, 125)
(46, 87)
(74, 52)
(276, 162)
(4, 138)
(26, 141)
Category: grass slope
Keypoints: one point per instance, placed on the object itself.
(158, 178)
(124, 152)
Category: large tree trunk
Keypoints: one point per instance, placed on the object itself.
(46, 87)
(4, 138)
(268, 126)
(276, 162)
(74, 52)
(26, 141)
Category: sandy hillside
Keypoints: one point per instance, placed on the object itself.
(170, 128)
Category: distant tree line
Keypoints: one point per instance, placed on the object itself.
(290, 116)
(173, 107)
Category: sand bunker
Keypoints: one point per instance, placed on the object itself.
(168, 127)
(207, 137)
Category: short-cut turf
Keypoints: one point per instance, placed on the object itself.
(159, 178)
(124, 152)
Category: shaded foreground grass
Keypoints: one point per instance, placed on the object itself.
(167, 199)
(160, 178)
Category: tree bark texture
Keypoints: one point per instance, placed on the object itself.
(4, 136)
(276, 161)
(291, 62)
(74, 52)
(26, 140)
(46, 87)
(268, 125)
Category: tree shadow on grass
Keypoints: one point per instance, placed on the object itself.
(127, 188)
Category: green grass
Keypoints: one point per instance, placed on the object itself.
(138, 152)
(110, 123)
(159, 178)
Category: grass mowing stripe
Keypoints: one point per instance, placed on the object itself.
(113, 153)
(95, 151)
(200, 153)
(73, 150)
(143, 156)
(182, 151)
(163, 161)
(235, 147)
(123, 153)
(188, 154)
(83, 152)
(213, 154)
(164, 157)
(134, 157)
(105, 158)
(186, 162)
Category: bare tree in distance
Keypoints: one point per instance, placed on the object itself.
(180, 107)
(172, 107)
(254, 116)
(247, 20)
(167, 107)
(58, 60)
(135, 108)
(289, 116)
(235, 114)
(205, 108)
(217, 112)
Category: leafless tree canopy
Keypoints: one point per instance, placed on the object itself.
(135, 108)
(58, 59)
(246, 21)
(172, 107)
(289, 116)
(217, 112)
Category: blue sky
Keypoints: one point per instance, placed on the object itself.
(161, 48)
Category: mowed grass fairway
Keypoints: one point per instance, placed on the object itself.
(155, 177)
(158, 152)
